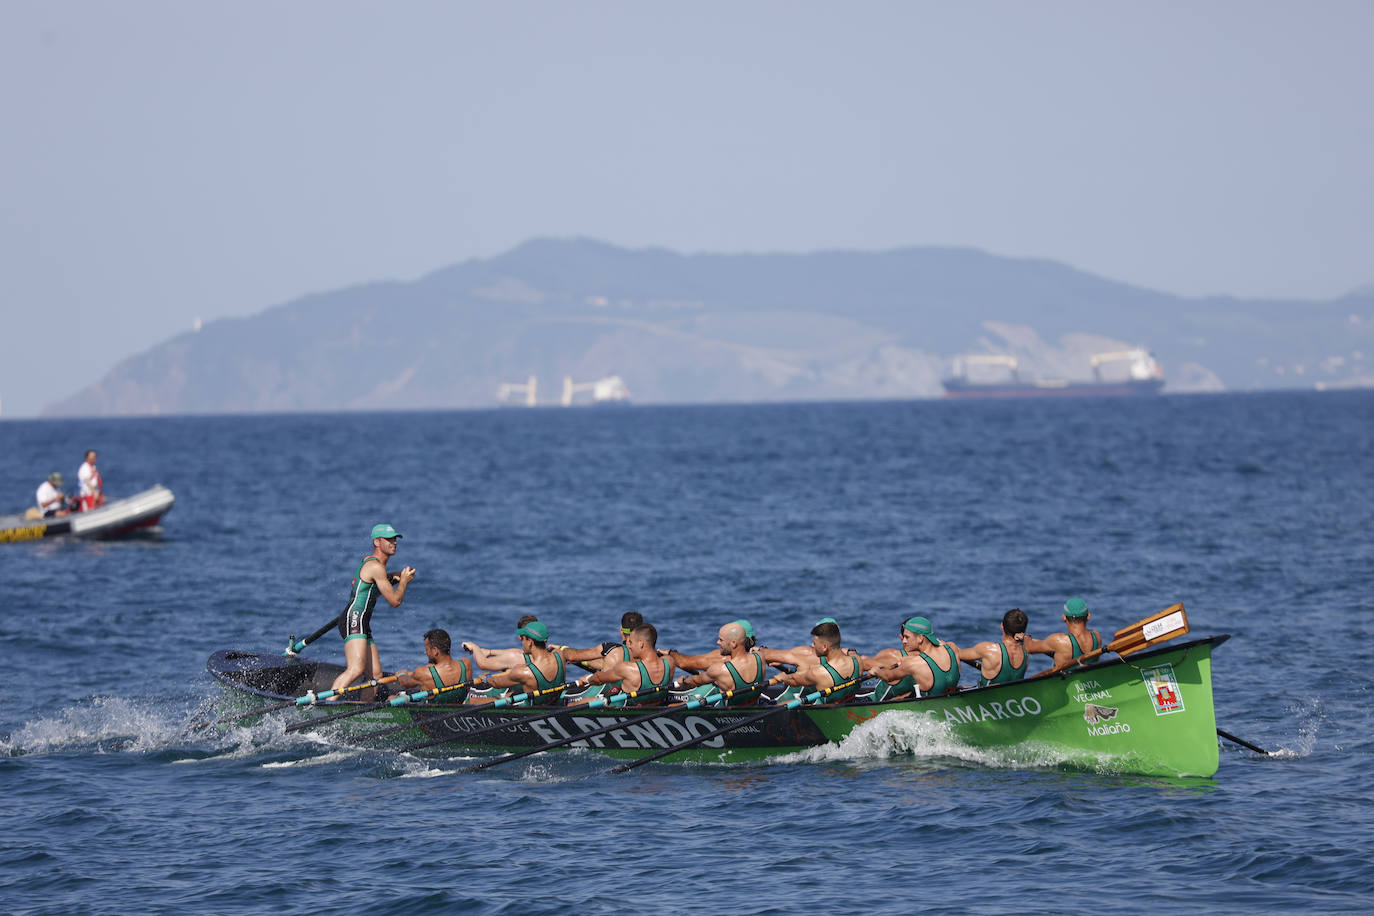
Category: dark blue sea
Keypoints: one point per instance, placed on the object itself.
(1255, 511)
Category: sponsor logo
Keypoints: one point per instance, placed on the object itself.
(1157, 628)
(656, 733)
(27, 533)
(1087, 690)
(1007, 709)
(1094, 715)
(1162, 686)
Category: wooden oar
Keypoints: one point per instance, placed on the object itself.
(294, 648)
(593, 703)
(309, 699)
(706, 736)
(1155, 629)
(694, 703)
(468, 710)
(398, 700)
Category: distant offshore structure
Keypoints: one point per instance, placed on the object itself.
(609, 390)
(1143, 377)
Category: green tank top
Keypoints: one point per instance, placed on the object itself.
(453, 696)
(651, 693)
(1006, 674)
(843, 693)
(543, 683)
(1073, 642)
(885, 690)
(746, 692)
(944, 680)
(362, 596)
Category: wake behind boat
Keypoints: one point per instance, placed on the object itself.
(116, 518)
(1151, 715)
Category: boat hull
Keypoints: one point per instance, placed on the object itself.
(1151, 715)
(117, 518)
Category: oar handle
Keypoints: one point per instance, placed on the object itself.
(294, 648)
(403, 698)
(311, 697)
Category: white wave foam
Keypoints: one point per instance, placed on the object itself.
(110, 723)
(330, 757)
(896, 733)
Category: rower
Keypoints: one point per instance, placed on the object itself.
(704, 660)
(1003, 661)
(800, 657)
(542, 670)
(741, 670)
(443, 670)
(1079, 640)
(925, 670)
(646, 673)
(886, 658)
(599, 657)
(498, 659)
(830, 659)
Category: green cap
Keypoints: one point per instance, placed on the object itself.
(534, 630)
(384, 531)
(748, 627)
(55, 478)
(920, 626)
(1075, 607)
(826, 620)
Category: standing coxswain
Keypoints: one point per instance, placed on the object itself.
(355, 623)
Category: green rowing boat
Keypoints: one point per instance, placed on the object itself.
(1147, 713)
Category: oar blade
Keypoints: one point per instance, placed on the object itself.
(1157, 628)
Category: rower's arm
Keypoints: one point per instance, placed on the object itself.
(814, 676)
(693, 662)
(581, 655)
(611, 674)
(797, 658)
(494, 659)
(518, 676)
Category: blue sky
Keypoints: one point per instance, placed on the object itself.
(168, 161)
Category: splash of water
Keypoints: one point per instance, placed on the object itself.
(107, 723)
(923, 739)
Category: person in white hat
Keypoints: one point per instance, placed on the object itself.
(51, 500)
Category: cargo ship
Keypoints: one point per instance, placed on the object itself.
(1143, 378)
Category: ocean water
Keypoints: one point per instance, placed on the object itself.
(1256, 511)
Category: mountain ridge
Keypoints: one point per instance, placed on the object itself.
(706, 327)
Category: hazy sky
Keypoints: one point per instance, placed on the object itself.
(163, 161)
